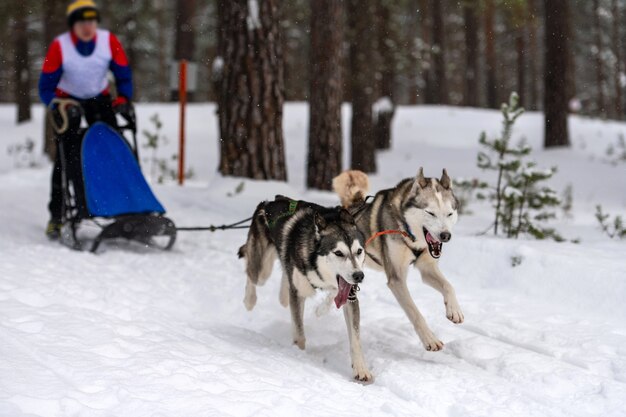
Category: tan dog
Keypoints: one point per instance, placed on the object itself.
(418, 215)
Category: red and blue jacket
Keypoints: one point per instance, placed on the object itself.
(77, 69)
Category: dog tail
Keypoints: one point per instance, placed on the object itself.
(258, 227)
(352, 187)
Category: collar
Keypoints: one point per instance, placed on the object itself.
(83, 48)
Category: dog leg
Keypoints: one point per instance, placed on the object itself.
(399, 289)
(297, 311)
(432, 276)
(249, 299)
(283, 295)
(352, 314)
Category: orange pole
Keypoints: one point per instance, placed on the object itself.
(182, 97)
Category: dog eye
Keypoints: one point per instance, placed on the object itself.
(360, 251)
(339, 254)
(449, 215)
(430, 212)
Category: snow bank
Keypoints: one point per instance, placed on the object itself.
(135, 332)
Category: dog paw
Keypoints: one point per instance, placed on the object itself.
(453, 312)
(430, 341)
(249, 301)
(301, 343)
(362, 375)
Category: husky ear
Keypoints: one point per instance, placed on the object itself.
(320, 222)
(445, 180)
(346, 217)
(420, 181)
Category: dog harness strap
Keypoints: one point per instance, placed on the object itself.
(293, 205)
(408, 231)
(388, 232)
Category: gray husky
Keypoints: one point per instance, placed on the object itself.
(318, 248)
(415, 218)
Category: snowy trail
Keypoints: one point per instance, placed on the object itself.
(136, 332)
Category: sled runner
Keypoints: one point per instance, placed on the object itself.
(117, 198)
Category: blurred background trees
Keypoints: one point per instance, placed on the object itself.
(401, 52)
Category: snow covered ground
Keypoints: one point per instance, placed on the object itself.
(135, 332)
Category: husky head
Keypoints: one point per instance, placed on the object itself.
(340, 253)
(430, 208)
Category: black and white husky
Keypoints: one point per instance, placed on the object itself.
(416, 217)
(318, 248)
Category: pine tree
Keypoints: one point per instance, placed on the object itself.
(522, 202)
(614, 228)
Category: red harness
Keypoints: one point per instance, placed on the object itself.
(387, 232)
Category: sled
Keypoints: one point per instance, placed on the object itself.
(118, 200)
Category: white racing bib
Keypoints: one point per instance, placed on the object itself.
(85, 76)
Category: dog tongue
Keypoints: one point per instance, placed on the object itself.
(435, 245)
(430, 238)
(343, 292)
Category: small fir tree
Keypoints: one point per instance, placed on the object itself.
(154, 141)
(466, 190)
(615, 228)
(521, 200)
(616, 154)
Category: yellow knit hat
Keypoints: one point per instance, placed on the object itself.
(82, 10)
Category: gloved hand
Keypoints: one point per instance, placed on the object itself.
(126, 110)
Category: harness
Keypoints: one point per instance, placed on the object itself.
(406, 233)
(293, 205)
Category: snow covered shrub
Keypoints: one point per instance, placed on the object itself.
(466, 190)
(238, 190)
(156, 140)
(614, 228)
(617, 153)
(522, 201)
(23, 154)
(568, 201)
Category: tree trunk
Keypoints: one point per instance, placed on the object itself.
(161, 22)
(533, 51)
(22, 73)
(490, 55)
(387, 44)
(412, 49)
(439, 52)
(599, 65)
(360, 20)
(54, 23)
(184, 43)
(470, 94)
(251, 91)
(617, 106)
(325, 143)
(428, 64)
(556, 73)
(520, 48)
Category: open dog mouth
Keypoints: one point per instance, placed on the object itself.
(434, 245)
(344, 290)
